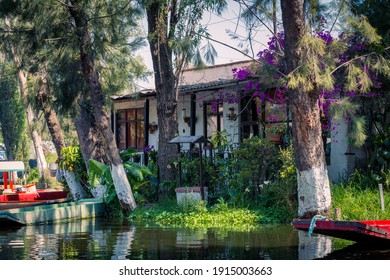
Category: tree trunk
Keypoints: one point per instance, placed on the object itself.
(313, 182)
(36, 138)
(75, 187)
(91, 143)
(121, 183)
(54, 127)
(22, 77)
(165, 83)
(51, 117)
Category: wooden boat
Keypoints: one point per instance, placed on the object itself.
(24, 204)
(371, 231)
(53, 213)
(18, 196)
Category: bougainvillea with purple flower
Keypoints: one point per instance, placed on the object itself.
(359, 79)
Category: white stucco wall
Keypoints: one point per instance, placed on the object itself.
(341, 164)
(232, 127)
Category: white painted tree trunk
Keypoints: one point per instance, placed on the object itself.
(75, 186)
(314, 247)
(98, 192)
(313, 199)
(122, 186)
(123, 244)
(41, 160)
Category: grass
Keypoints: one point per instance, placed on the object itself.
(359, 203)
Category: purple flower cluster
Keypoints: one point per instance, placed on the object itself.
(325, 36)
(270, 56)
(149, 148)
(241, 74)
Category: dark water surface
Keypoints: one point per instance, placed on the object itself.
(98, 239)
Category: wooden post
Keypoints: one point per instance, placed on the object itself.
(201, 171)
(381, 197)
(146, 130)
(337, 214)
(192, 114)
(179, 164)
(5, 179)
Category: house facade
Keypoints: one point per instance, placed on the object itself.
(212, 99)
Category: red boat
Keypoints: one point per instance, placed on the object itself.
(19, 196)
(374, 231)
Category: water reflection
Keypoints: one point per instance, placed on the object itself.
(97, 239)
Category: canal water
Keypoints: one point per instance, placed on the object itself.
(102, 240)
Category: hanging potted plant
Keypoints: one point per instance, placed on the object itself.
(275, 132)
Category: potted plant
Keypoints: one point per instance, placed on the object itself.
(275, 132)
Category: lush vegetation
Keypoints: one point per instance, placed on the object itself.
(358, 199)
(198, 215)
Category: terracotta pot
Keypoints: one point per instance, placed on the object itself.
(276, 138)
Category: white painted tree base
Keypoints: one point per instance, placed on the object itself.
(122, 186)
(98, 192)
(76, 189)
(313, 190)
(314, 247)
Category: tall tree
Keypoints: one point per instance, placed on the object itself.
(22, 75)
(98, 34)
(313, 65)
(12, 115)
(45, 104)
(174, 34)
(313, 182)
(77, 11)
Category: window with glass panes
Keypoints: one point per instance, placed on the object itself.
(130, 129)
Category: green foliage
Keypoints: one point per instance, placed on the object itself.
(219, 139)
(52, 157)
(99, 173)
(279, 196)
(12, 115)
(139, 176)
(191, 169)
(169, 214)
(71, 158)
(358, 199)
(198, 215)
(128, 154)
(276, 128)
(357, 129)
(376, 13)
(251, 162)
(33, 175)
(382, 151)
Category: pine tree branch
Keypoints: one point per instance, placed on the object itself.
(110, 15)
(356, 58)
(229, 46)
(64, 4)
(334, 22)
(259, 19)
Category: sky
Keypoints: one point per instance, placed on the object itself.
(217, 26)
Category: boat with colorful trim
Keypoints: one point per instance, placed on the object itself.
(361, 231)
(23, 195)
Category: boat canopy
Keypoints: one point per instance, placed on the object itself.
(7, 166)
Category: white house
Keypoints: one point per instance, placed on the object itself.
(135, 116)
